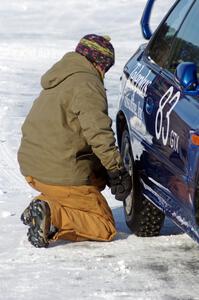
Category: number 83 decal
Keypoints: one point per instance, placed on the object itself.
(162, 131)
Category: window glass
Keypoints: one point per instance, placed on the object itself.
(186, 44)
(161, 44)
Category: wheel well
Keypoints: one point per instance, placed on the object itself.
(121, 125)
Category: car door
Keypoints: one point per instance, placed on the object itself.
(174, 114)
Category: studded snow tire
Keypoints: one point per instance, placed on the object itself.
(142, 217)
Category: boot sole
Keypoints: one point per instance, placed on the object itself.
(39, 223)
(26, 216)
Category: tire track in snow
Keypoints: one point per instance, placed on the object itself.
(9, 169)
(10, 165)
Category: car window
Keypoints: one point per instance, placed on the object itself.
(186, 44)
(160, 45)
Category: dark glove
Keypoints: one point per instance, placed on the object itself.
(120, 183)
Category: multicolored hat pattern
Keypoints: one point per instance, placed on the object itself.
(97, 49)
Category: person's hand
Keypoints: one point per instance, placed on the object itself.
(120, 183)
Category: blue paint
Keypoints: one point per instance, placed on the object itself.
(146, 31)
(160, 106)
(186, 74)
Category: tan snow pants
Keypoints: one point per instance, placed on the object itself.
(79, 212)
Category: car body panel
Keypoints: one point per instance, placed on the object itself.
(161, 120)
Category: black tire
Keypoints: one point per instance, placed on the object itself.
(142, 217)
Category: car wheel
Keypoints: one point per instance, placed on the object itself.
(142, 217)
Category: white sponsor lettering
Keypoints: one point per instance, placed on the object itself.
(134, 107)
(140, 82)
(138, 85)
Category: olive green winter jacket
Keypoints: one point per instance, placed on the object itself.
(67, 134)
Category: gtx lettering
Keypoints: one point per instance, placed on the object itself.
(174, 141)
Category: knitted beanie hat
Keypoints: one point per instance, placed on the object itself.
(97, 49)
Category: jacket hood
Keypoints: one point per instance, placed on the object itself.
(70, 64)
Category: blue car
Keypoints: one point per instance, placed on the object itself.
(158, 123)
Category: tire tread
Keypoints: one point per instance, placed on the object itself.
(146, 219)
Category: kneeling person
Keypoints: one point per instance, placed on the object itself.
(68, 150)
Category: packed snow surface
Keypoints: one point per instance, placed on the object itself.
(33, 35)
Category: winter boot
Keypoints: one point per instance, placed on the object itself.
(37, 216)
(26, 216)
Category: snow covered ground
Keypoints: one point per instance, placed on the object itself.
(33, 35)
